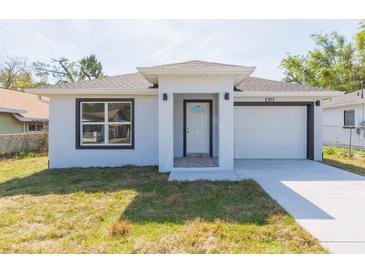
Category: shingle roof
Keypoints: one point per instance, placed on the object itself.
(30, 106)
(137, 81)
(260, 84)
(124, 81)
(345, 99)
(196, 64)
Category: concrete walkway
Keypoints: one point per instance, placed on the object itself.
(328, 202)
(203, 175)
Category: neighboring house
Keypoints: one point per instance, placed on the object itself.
(186, 116)
(344, 119)
(21, 112)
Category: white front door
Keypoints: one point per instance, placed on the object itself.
(197, 127)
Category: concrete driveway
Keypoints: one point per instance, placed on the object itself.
(328, 202)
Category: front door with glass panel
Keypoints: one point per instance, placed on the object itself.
(197, 128)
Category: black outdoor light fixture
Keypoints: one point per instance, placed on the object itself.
(164, 96)
(226, 96)
(318, 103)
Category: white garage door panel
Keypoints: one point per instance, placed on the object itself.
(270, 132)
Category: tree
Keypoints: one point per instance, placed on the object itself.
(90, 68)
(360, 46)
(15, 74)
(334, 63)
(63, 70)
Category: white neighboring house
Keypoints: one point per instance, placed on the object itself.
(344, 117)
(186, 116)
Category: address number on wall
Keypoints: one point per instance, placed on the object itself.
(269, 99)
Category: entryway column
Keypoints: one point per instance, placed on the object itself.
(166, 131)
(225, 119)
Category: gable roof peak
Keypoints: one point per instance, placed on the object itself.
(195, 68)
(193, 64)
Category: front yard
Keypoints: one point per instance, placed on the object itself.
(339, 157)
(77, 211)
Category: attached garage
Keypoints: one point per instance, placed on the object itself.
(273, 130)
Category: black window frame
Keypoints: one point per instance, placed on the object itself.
(344, 118)
(36, 125)
(102, 146)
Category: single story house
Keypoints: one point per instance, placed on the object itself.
(21, 112)
(185, 116)
(344, 120)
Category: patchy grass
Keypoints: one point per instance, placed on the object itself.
(339, 157)
(135, 210)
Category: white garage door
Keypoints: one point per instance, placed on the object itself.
(270, 132)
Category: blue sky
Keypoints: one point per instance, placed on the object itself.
(122, 45)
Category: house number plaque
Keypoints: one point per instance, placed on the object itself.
(269, 99)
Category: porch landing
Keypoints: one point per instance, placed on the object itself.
(197, 160)
(212, 175)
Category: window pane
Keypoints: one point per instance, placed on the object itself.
(349, 118)
(93, 112)
(119, 134)
(39, 127)
(31, 128)
(119, 112)
(92, 134)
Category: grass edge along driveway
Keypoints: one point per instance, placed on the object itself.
(339, 157)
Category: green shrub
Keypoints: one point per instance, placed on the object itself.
(329, 150)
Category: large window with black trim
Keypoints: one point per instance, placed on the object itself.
(349, 118)
(105, 123)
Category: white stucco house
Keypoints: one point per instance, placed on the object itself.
(186, 116)
(344, 120)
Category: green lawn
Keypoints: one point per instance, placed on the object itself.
(77, 211)
(339, 157)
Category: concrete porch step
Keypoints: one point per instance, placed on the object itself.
(203, 175)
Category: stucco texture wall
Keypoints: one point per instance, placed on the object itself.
(62, 136)
(179, 85)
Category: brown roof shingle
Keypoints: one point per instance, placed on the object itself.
(260, 84)
(137, 81)
(32, 107)
(124, 81)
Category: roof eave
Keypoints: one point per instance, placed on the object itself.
(12, 110)
(91, 91)
(330, 105)
(316, 94)
(29, 119)
(152, 74)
